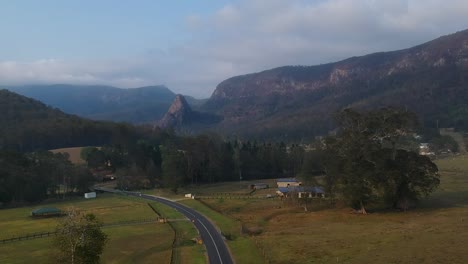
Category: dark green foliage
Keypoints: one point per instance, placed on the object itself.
(443, 143)
(35, 176)
(28, 125)
(408, 177)
(174, 169)
(366, 160)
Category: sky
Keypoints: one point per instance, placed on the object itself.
(192, 45)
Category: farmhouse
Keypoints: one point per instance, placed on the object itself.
(288, 182)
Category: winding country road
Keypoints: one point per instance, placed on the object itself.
(213, 240)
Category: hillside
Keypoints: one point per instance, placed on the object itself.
(138, 105)
(27, 124)
(298, 101)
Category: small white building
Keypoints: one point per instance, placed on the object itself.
(90, 195)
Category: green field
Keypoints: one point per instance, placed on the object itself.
(140, 243)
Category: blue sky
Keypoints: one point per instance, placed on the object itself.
(99, 29)
(191, 46)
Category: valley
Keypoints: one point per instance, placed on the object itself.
(287, 234)
(234, 131)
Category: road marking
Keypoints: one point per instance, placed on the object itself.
(212, 239)
(174, 204)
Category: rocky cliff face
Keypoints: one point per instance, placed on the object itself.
(426, 79)
(181, 117)
(444, 51)
(179, 113)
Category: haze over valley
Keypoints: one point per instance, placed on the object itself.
(234, 131)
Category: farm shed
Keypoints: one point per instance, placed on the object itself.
(46, 212)
(302, 192)
(258, 186)
(287, 182)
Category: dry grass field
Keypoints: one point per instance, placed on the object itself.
(434, 232)
(73, 152)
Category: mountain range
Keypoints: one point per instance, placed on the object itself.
(293, 102)
(97, 102)
(430, 79)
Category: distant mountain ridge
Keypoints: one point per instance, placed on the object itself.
(27, 124)
(298, 101)
(98, 102)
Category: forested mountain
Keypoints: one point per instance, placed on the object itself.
(295, 102)
(27, 124)
(138, 105)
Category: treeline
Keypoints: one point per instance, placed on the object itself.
(36, 176)
(164, 159)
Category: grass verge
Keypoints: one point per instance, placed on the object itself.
(242, 248)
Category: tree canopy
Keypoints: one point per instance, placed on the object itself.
(79, 239)
(367, 161)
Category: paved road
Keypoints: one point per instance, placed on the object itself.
(212, 239)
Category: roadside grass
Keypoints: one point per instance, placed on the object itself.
(187, 250)
(242, 248)
(436, 231)
(142, 243)
(145, 243)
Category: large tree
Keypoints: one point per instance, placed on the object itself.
(79, 239)
(368, 160)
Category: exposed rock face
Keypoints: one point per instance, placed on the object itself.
(180, 116)
(426, 79)
(179, 113)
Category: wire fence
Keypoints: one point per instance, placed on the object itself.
(233, 196)
(175, 256)
(45, 234)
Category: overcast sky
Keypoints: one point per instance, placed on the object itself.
(192, 45)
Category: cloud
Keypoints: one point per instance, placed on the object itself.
(253, 35)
